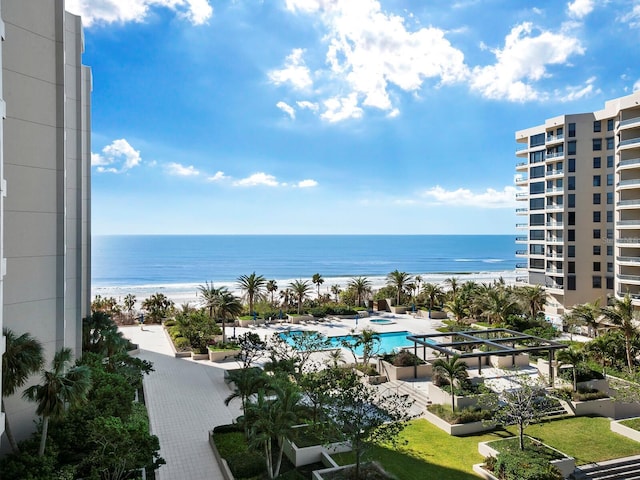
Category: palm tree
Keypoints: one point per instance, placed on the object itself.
(453, 286)
(532, 298)
(499, 305)
(574, 357)
(399, 280)
(457, 308)
(209, 294)
(22, 358)
(588, 313)
(453, 370)
(246, 382)
(433, 292)
(360, 285)
(227, 307)
(301, 291)
(272, 287)
(317, 280)
(129, 303)
(60, 387)
(621, 314)
(252, 286)
(286, 295)
(600, 350)
(335, 290)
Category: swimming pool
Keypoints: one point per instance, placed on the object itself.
(381, 321)
(389, 341)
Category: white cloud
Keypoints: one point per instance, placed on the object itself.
(286, 108)
(180, 170)
(307, 183)
(633, 17)
(577, 92)
(295, 72)
(198, 12)
(338, 109)
(314, 107)
(463, 197)
(258, 179)
(217, 177)
(523, 59)
(117, 157)
(580, 8)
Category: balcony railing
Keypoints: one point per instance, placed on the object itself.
(555, 240)
(629, 162)
(555, 189)
(521, 239)
(522, 279)
(521, 253)
(558, 256)
(521, 265)
(551, 173)
(628, 142)
(630, 278)
(628, 223)
(551, 155)
(628, 259)
(554, 138)
(629, 121)
(634, 296)
(628, 203)
(522, 225)
(555, 271)
(555, 224)
(628, 240)
(627, 183)
(556, 286)
(554, 207)
(522, 195)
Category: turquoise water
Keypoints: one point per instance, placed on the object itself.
(389, 341)
(380, 321)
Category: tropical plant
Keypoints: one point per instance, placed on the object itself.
(129, 303)
(335, 290)
(600, 349)
(360, 285)
(228, 306)
(253, 287)
(157, 306)
(271, 287)
(574, 357)
(300, 290)
(622, 314)
(368, 340)
(209, 294)
(21, 359)
(458, 308)
(317, 280)
(434, 293)
(246, 382)
(400, 281)
(454, 371)
(499, 305)
(588, 313)
(532, 298)
(61, 386)
(453, 284)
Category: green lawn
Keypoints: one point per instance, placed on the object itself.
(431, 453)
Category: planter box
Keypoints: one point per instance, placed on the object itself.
(603, 407)
(299, 456)
(371, 379)
(599, 384)
(437, 395)
(222, 463)
(399, 309)
(566, 465)
(221, 355)
(248, 322)
(402, 373)
(199, 356)
(507, 361)
(486, 474)
(437, 315)
(628, 432)
(458, 430)
(299, 318)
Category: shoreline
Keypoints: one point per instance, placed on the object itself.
(181, 293)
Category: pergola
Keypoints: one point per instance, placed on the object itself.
(484, 343)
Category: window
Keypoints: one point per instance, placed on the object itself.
(536, 249)
(609, 198)
(609, 267)
(609, 161)
(609, 250)
(536, 140)
(536, 157)
(610, 283)
(596, 233)
(536, 235)
(609, 179)
(571, 282)
(597, 144)
(572, 129)
(536, 188)
(596, 266)
(559, 131)
(571, 235)
(572, 165)
(572, 267)
(609, 143)
(536, 204)
(571, 251)
(571, 183)
(536, 263)
(597, 126)
(536, 219)
(571, 218)
(596, 198)
(596, 281)
(596, 180)
(609, 216)
(536, 172)
(610, 233)
(596, 250)
(571, 201)
(571, 147)
(596, 162)
(596, 216)
(610, 125)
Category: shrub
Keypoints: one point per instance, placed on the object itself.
(524, 465)
(181, 343)
(169, 323)
(230, 427)
(403, 359)
(174, 332)
(459, 417)
(583, 374)
(232, 445)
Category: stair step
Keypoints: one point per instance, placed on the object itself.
(627, 468)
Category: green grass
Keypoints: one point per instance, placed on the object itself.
(431, 453)
(633, 423)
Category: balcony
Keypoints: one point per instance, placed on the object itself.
(634, 296)
(556, 256)
(521, 266)
(628, 223)
(629, 241)
(522, 166)
(632, 183)
(522, 211)
(629, 163)
(555, 224)
(628, 203)
(555, 240)
(629, 278)
(522, 279)
(554, 207)
(521, 181)
(629, 260)
(553, 287)
(629, 143)
(522, 225)
(522, 239)
(554, 139)
(521, 253)
(629, 122)
(522, 195)
(555, 271)
(554, 173)
(554, 155)
(555, 190)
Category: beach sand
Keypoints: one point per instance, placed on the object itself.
(188, 292)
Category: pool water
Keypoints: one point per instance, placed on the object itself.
(381, 321)
(389, 341)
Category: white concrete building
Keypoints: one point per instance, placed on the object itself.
(580, 176)
(45, 172)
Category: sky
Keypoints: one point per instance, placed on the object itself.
(335, 116)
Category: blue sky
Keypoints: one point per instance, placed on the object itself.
(334, 116)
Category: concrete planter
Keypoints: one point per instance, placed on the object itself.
(599, 384)
(486, 474)
(603, 407)
(458, 430)
(628, 432)
(222, 463)
(402, 373)
(198, 356)
(371, 379)
(299, 318)
(221, 355)
(566, 465)
(520, 360)
(437, 315)
(437, 395)
(299, 456)
(250, 321)
(399, 309)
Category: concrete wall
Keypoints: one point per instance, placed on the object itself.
(46, 158)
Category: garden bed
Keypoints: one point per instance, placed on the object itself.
(459, 424)
(630, 428)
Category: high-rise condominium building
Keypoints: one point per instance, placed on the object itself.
(580, 206)
(45, 179)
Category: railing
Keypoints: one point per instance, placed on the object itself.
(521, 210)
(634, 296)
(522, 195)
(521, 265)
(632, 278)
(625, 183)
(521, 179)
(555, 255)
(629, 162)
(628, 259)
(521, 164)
(522, 225)
(555, 224)
(554, 172)
(627, 203)
(521, 239)
(521, 252)
(628, 240)
(550, 155)
(555, 286)
(522, 279)
(554, 138)
(555, 240)
(629, 121)
(554, 207)
(630, 141)
(558, 271)
(628, 222)
(555, 189)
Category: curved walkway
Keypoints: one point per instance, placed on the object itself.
(185, 400)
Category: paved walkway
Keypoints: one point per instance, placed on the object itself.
(185, 400)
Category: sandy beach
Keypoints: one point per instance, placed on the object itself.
(181, 293)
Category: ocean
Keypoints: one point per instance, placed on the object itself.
(177, 264)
